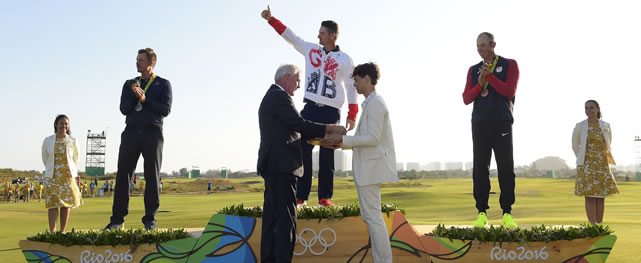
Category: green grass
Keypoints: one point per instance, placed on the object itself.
(446, 201)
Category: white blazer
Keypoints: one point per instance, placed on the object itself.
(374, 158)
(48, 154)
(580, 140)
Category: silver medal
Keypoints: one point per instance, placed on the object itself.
(139, 105)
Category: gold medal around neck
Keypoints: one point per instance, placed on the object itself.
(491, 66)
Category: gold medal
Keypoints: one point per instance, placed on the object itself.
(491, 66)
(484, 93)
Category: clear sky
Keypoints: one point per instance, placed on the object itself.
(73, 56)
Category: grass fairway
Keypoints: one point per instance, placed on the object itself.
(448, 201)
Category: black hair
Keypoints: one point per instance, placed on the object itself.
(55, 123)
(367, 69)
(331, 26)
(597, 106)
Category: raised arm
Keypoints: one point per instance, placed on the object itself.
(287, 34)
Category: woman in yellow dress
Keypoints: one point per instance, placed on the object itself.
(591, 144)
(60, 157)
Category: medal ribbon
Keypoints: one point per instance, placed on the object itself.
(496, 59)
(153, 76)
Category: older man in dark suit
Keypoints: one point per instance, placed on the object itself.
(280, 162)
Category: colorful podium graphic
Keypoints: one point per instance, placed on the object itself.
(228, 238)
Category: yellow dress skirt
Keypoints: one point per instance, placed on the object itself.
(594, 178)
(61, 189)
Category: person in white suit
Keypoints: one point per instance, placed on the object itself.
(373, 159)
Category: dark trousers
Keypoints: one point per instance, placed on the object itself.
(279, 218)
(326, 115)
(147, 141)
(497, 136)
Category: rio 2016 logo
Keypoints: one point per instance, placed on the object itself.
(88, 256)
(521, 253)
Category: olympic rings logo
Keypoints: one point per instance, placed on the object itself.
(315, 238)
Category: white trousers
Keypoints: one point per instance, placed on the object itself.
(369, 200)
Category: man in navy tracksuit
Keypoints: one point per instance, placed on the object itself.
(491, 85)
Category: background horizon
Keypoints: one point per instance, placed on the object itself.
(72, 57)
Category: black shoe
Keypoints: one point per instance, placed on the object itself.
(112, 226)
(150, 226)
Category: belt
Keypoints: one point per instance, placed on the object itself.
(315, 103)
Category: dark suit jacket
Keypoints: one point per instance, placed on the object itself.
(280, 139)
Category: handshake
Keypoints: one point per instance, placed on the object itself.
(333, 136)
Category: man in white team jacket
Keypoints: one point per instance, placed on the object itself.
(328, 81)
(373, 160)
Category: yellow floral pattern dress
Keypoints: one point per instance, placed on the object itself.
(61, 189)
(594, 178)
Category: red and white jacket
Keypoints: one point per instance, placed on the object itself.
(328, 76)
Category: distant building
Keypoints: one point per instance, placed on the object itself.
(637, 157)
(453, 166)
(469, 166)
(413, 166)
(550, 163)
(348, 163)
(194, 172)
(340, 161)
(432, 166)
